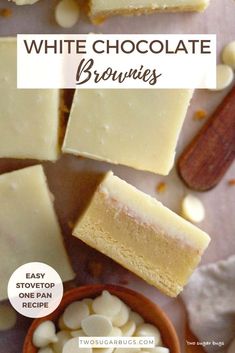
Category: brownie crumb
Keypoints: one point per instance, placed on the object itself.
(200, 115)
(95, 268)
(64, 108)
(231, 182)
(161, 187)
(5, 12)
(71, 224)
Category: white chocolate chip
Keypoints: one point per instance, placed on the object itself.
(107, 304)
(24, 2)
(74, 314)
(116, 332)
(46, 350)
(127, 350)
(61, 324)
(136, 318)
(79, 320)
(192, 209)
(67, 13)
(159, 350)
(71, 346)
(224, 77)
(148, 330)
(155, 349)
(78, 333)
(228, 55)
(97, 326)
(122, 317)
(128, 329)
(62, 338)
(8, 317)
(44, 334)
(102, 350)
(89, 302)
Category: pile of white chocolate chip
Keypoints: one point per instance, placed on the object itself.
(105, 315)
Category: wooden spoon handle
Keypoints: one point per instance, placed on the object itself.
(207, 158)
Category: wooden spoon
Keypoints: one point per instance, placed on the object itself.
(137, 302)
(207, 158)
